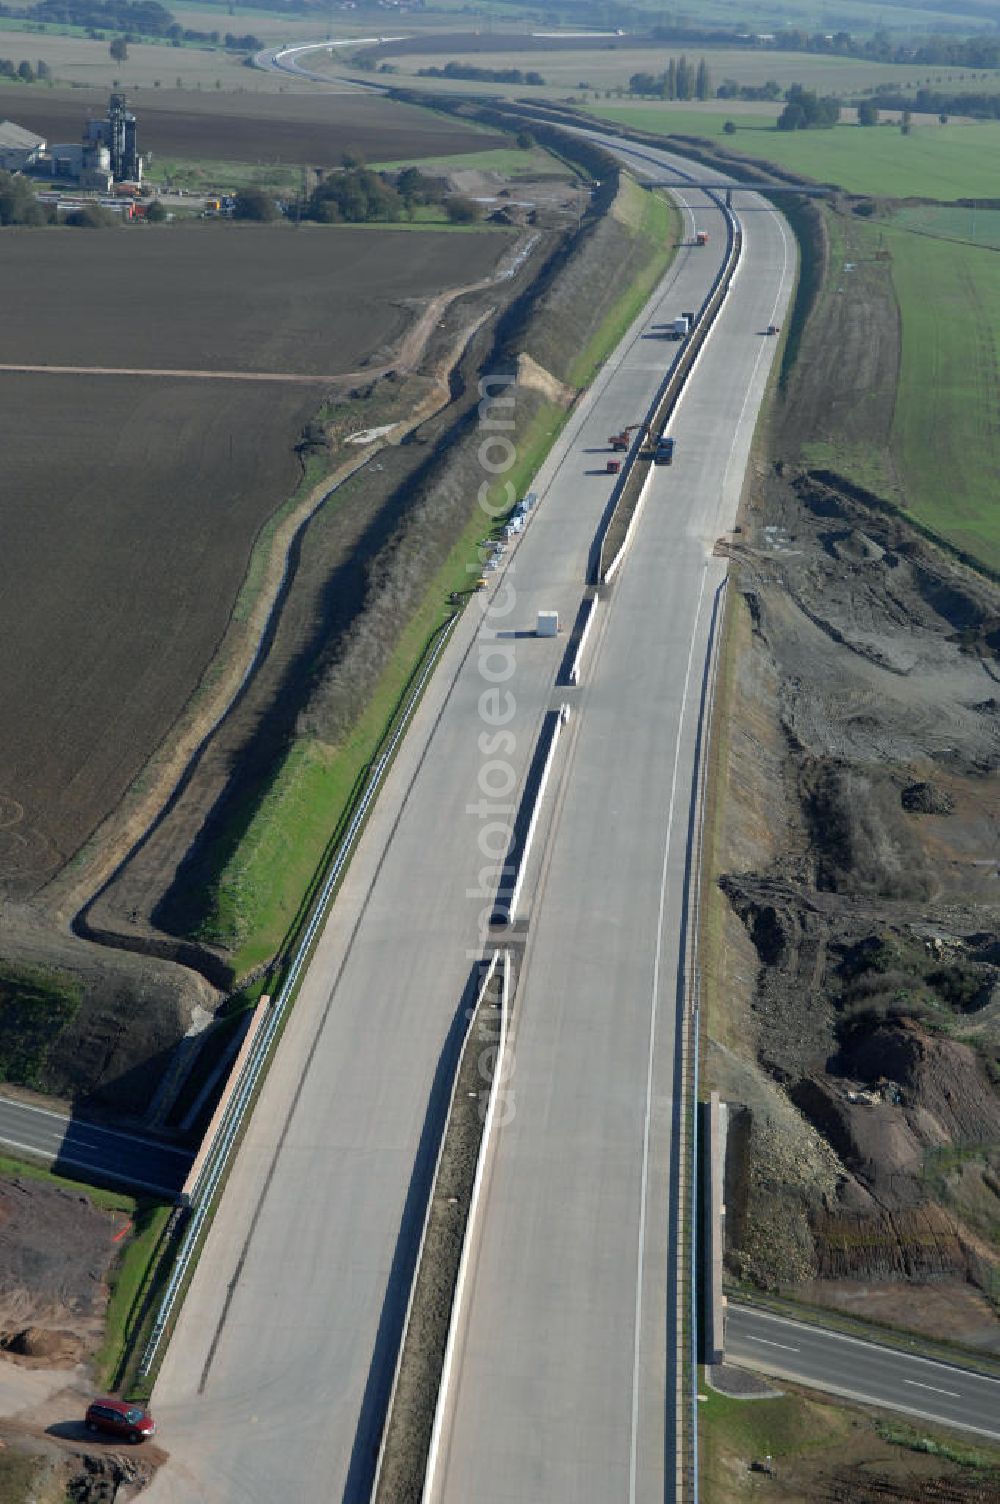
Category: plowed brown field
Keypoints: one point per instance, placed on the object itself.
(308, 129)
(129, 507)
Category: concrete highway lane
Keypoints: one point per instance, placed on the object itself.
(566, 1370)
(85, 1149)
(275, 1381)
(865, 1371)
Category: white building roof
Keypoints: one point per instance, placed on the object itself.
(17, 138)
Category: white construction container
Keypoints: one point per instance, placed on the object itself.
(548, 624)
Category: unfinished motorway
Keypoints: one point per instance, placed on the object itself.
(565, 1362)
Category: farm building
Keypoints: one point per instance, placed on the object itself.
(19, 148)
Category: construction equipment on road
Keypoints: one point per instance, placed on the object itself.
(701, 237)
(680, 328)
(614, 466)
(622, 440)
(664, 453)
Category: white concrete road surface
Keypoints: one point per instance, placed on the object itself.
(275, 1381)
(565, 1385)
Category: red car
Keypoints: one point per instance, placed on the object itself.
(119, 1418)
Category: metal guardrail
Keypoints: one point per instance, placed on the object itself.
(693, 1012)
(217, 1159)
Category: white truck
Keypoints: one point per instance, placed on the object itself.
(681, 327)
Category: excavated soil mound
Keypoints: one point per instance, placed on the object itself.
(55, 1349)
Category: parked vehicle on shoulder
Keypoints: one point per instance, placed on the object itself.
(120, 1418)
(664, 454)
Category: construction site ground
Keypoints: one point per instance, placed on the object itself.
(852, 945)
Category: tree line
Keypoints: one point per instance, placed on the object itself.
(953, 51)
(807, 110)
(679, 80)
(132, 18)
(23, 70)
(932, 102)
(470, 71)
(358, 195)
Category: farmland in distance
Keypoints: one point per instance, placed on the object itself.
(299, 129)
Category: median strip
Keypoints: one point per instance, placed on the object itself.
(421, 1389)
(640, 464)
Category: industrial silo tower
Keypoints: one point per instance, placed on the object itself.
(125, 164)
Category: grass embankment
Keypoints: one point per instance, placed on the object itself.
(933, 161)
(35, 1008)
(129, 1309)
(813, 1444)
(944, 447)
(257, 896)
(651, 220)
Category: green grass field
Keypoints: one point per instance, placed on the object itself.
(934, 161)
(972, 225)
(945, 438)
(944, 445)
(811, 1440)
(510, 161)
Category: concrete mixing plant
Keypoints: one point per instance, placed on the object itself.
(118, 134)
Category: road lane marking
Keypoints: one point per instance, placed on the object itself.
(21, 1110)
(637, 1339)
(784, 1345)
(736, 1312)
(917, 1385)
(93, 1169)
